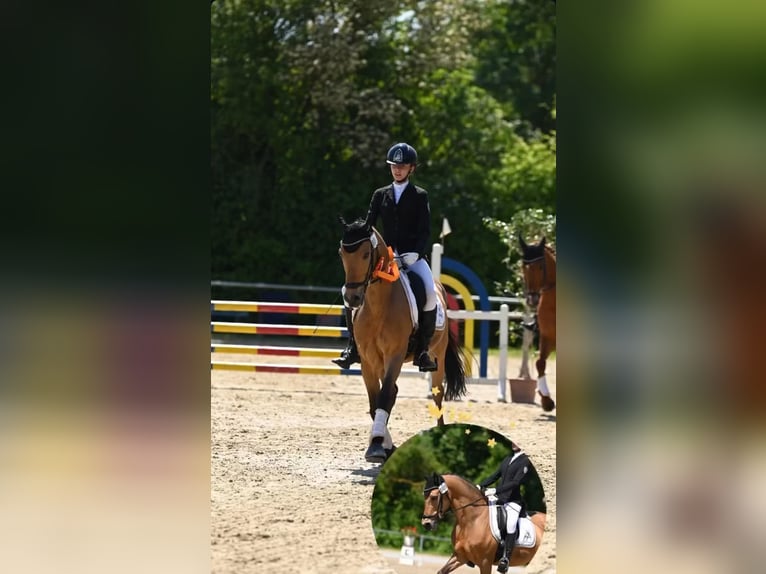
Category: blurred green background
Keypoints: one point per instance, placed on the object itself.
(307, 97)
(662, 244)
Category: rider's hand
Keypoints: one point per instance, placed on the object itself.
(409, 258)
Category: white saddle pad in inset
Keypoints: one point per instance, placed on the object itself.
(526, 536)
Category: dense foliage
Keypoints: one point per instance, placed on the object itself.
(307, 96)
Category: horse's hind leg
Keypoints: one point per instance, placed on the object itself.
(542, 385)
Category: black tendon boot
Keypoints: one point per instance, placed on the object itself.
(350, 354)
(510, 541)
(422, 359)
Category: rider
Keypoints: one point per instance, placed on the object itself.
(406, 216)
(514, 471)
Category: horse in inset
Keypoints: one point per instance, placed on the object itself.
(472, 539)
(539, 269)
(383, 329)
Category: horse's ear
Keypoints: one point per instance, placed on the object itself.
(433, 480)
(542, 243)
(342, 221)
(522, 242)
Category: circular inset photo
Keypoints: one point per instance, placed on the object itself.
(459, 498)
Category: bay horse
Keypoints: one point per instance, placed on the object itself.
(383, 329)
(472, 540)
(538, 263)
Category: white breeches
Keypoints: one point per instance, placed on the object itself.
(424, 272)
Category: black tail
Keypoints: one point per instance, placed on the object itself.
(454, 370)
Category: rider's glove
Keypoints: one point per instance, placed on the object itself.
(409, 258)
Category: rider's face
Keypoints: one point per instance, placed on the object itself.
(401, 171)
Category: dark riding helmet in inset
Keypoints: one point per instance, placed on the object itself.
(402, 153)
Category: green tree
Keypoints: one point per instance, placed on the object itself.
(516, 55)
(307, 96)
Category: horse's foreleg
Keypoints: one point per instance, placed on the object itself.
(452, 564)
(542, 384)
(375, 449)
(381, 443)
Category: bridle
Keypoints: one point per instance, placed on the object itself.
(544, 287)
(368, 278)
(375, 271)
(438, 515)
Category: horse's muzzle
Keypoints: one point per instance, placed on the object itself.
(353, 297)
(533, 299)
(428, 523)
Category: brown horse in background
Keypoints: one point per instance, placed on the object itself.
(472, 540)
(383, 330)
(539, 269)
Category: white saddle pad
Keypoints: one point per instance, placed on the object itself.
(440, 316)
(526, 536)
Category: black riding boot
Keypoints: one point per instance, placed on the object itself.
(510, 541)
(350, 354)
(422, 359)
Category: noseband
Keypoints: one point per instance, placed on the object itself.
(438, 515)
(368, 276)
(373, 273)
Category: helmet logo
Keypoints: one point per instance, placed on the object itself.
(398, 156)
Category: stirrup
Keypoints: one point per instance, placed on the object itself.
(348, 357)
(424, 362)
(502, 564)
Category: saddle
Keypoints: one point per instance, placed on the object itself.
(416, 297)
(526, 537)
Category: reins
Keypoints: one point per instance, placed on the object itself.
(439, 514)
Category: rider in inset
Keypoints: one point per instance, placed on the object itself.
(406, 216)
(514, 469)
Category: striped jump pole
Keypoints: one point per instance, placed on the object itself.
(274, 351)
(284, 330)
(295, 369)
(287, 308)
(270, 329)
(287, 369)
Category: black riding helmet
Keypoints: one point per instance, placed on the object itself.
(402, 153)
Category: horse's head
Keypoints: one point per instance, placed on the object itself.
(437, 501)
(358, 248)
(536, 273)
